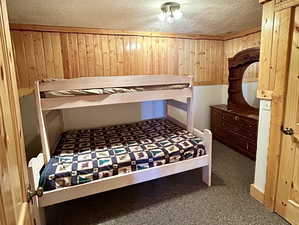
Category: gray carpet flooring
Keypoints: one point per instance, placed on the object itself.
(180, 199)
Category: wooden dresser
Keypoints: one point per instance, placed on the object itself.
(235, 128)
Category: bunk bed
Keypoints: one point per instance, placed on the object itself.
(83, 162)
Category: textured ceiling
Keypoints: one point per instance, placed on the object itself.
(199, 16)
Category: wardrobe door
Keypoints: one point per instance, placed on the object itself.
(287, 198)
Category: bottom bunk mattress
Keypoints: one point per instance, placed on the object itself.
(90, 154)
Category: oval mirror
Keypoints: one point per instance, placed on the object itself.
(249, 84)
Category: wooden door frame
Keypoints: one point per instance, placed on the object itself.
(12, 134)
(277, 33)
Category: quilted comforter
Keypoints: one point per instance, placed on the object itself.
(89, 154)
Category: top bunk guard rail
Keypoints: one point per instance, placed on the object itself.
(113, 81)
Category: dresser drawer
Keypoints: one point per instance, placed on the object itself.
(235, 130)
(243, 145)
(241, 121)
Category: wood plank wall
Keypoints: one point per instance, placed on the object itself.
(233, 46)
(42, 54)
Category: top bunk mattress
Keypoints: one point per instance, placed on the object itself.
(90, 154)
(109, 91)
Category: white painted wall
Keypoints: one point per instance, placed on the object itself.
(262, 145)
(30, 126)
(113, 114)
(101, 116)
(204, 97)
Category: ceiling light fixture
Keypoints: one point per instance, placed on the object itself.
(170, 12)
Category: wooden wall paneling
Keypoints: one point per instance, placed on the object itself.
(106, 56)
(29, 54)
(90, 54)
(173, 60)
(21, 60)
(73, 43)
(227, 53)
(155, 55)
(192, 58)
(120, 54)
(132, 49)
(214, 62)
(137, 54)
(73, 54)
(83, 64)
(148, 55)
(166, 55)
(127, 65)
(112, 54)
(219, 63)
(186, 56)
(208, 50)
(49, 56)
(213, 59)
(58, 66)
(160, 52)
(202, 60)
(196, 62)
(180, 43)
(168, 52)
(250, 72)
(39, 54)
(159, 49)
(99, 67)
(140, 55)
(65, 54)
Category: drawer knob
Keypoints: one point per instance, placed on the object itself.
(237, 118)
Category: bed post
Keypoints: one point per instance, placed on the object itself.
(207, 170)
(190, 115)
(41, 122)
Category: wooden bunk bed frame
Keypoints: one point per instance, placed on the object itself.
(49, 109)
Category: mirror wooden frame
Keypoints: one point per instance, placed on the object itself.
(237, 66)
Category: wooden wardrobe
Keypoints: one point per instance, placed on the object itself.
(279, 84)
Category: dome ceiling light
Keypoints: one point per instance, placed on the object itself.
(170, 12)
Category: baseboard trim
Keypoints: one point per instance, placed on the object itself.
(256, 193)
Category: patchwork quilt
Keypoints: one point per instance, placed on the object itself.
(90, 154)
